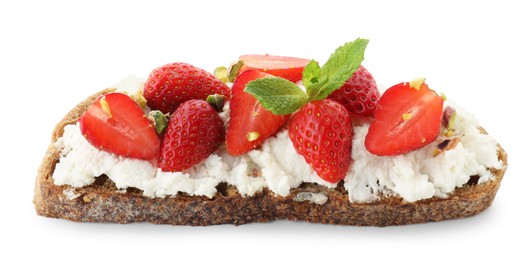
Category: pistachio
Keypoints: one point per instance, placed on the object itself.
(139, 99)
(443, 144)
(416, 83)
(217, 101)
(105, 106)
(235, 70)
(221, 73)
(448, 120)
(251, 136)
(159, 120)
(446, 145)
(449, 133)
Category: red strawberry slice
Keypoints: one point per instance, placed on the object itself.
(170, 85)
(408, 117)
(286, 67)
(116, 124)
(250, 124)
(359, 94)
(194, 131)
(322, 133)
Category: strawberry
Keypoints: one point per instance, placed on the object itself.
(407, 117)
(286, 67)
(320, 129)
(250, 124)
(321, 132)
(359, 94)
(172, 84)
(194, 131)
(116, 124)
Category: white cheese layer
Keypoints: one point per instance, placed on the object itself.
(277, 166)
(419, 174)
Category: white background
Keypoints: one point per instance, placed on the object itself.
(53, 54)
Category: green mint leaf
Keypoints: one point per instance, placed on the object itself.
(311, 78)
(311, 73)
(340, 67)
(278, 95)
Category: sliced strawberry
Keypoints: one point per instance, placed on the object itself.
(116, 124)
(407, 117)
(322, 133)
(250, 124)
(286, 67)
(194, 131)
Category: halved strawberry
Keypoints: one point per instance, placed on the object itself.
(286, 67)
(250, 124)
(116, 124)
(407, 117)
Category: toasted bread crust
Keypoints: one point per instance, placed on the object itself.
(102, 202)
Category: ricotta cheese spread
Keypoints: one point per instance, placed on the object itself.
(277, 166)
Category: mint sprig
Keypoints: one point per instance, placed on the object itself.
(281, 96)
(340, 66)
(278, 95)
(311, 78)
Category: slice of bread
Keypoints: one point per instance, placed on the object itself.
(103, 202)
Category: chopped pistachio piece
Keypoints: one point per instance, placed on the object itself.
(105, 107)
(443, 144)
(221, 73)
(235, 70)
(159, 120)
(446, 145)
(139, 99)
(449, 116)
(451, 122)
(251, 136)
(449, 133)
(217, 101)
(416, 83)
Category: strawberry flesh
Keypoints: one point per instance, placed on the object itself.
(322, 133)
(250, 124)
(120, 127)
(405, 119)
(289, 68)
